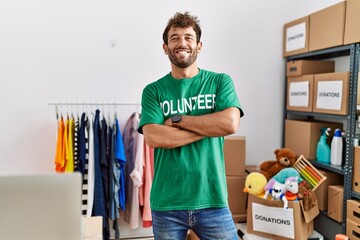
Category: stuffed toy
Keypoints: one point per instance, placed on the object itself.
(285, 158)
(292, 188)
(286, 173)
(306, 195)
(255, 184)
(277, 191)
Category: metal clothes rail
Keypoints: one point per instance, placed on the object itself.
(97, 104)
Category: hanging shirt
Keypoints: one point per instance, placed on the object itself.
(76, 145)
(120, 157)
(59, 157)
(104, 166)
(91, 168)
(137, 178)
(82, 163)
(99, 198)
(130, 135)
(69, 166)
(148, 177)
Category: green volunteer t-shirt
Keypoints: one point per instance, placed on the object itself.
(192, 176)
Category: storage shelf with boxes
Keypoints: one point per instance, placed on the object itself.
(323, 97)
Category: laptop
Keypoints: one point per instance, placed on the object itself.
(41, 207)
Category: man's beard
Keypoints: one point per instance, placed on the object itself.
(182, 63)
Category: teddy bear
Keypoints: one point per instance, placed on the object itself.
(307, 195)
(285, 158)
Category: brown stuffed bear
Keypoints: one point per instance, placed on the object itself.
(284, 158)
(307, 195)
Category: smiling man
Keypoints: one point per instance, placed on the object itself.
(185, 116)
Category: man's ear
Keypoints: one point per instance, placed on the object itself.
(199, 47)
(166, 49)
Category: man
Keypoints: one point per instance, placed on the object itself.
(184, 117)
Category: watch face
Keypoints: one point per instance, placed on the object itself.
(176, 118)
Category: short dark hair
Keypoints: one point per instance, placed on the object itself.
(183, 20)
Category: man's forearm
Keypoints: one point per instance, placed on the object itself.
(162, 136)
(212, 125)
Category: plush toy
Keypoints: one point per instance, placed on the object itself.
(255, 184)
(285, 173)
(306, 195)
(285, 157)
(292, 188)
(277, 192)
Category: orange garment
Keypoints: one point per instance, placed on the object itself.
(65, 143)
(146, 187)
(59, 155)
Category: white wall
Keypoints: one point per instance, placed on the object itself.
(106, 51)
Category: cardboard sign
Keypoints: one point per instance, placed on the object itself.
(299, 94)
(296, 37)
(329, 95)
(273, 220)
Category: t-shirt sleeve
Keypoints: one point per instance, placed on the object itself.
(226, 96)
(150, 108)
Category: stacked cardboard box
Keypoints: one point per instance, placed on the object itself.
(234, 154)
(333, 26)
(356, 170)
(322, 191)
(353, 219)
(335, 202)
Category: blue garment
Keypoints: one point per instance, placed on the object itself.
(120, 157)
(82, 145)
(208, 224)
(113, 205)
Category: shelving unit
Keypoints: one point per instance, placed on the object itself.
(353, 52)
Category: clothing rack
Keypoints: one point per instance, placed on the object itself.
(77, 104)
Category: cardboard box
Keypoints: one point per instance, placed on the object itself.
(352, 230)
(331, 92)
(327, 27)
(321, 192)
(296, 37)
(251, 168)
(353, 210)
(352, 27)
(302, 136)
(93, 228)
(268, 218)
(300, 93)
(335, 202)
(297, 68)
(239, 218)
(236, 196)
(356, 170)
(234, 154)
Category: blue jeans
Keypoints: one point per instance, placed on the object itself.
(209, 223)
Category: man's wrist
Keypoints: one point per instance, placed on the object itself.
(176, 119)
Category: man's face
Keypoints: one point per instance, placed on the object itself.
(182, 47)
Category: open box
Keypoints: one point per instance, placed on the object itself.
(268, 218)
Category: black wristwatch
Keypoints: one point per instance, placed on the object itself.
(176, 119)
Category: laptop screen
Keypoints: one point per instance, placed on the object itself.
(41, 207)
